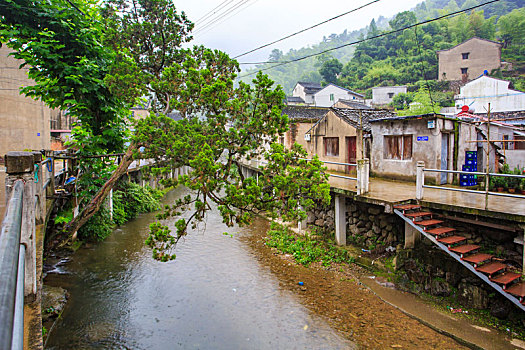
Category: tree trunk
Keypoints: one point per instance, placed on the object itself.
(94, 205)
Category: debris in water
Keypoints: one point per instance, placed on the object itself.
(305, 327)
(301, 283)
(455, 311)
(365, 250)
(234, 289)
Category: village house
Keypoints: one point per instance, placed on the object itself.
(469, 59)
(343, 136)
(330, 94)
(301, 119)
(24, 122)
(506, 145)
(383, 95)
(305, 91)
(400, 142)
(478, 93)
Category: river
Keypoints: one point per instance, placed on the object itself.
(215, 295)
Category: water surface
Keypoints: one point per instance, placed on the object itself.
(213, 296)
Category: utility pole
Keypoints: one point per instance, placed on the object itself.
(487, 163)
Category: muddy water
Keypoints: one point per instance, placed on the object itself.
(215, 295)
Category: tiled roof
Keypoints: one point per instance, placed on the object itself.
(305, 112)
(347, 90)
(351, 116)
(310, 88)
(354, 105)
(419, 116)
(294, 99)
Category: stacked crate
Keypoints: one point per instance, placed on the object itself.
(471, 165)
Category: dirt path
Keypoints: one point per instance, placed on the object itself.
(350, 307)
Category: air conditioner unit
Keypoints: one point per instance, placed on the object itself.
(307, 137)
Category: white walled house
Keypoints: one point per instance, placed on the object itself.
(478, 93)
(383, 95)
(331, 94)
(306, 91)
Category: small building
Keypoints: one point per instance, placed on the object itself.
(400, 142)
(24, 122)
(469, 59)
(351, 104)
(330, 94)
(294, 101)
(301, 119)
(343, 136)
(383, 95)
(306, 91)
(478, 93)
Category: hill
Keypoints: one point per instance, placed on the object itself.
(406, 57)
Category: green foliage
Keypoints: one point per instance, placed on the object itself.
(330, 70)
(242, 123)
(306, 249)
(98, 227)
(62, 49)
(131, 199)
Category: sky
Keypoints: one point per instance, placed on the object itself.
(257, 22)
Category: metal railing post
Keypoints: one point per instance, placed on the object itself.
(9, 256)
(420, 179)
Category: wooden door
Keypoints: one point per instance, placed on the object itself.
(351, 151)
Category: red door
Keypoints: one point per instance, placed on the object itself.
(351, 152)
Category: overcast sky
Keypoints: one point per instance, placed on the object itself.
(258, 22)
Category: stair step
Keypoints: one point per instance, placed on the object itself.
(491, 268)
(464, 249)
(506, 278)
(478, 258)
(427, 223)
(440, 231)
(451, 240)
(407, 206)
(517, 290)
(418, 214)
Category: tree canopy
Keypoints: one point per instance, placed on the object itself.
(97, 73)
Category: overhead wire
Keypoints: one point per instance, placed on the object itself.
(211, 12)
(222, 17)
(309, 28)
(226, 18)
(224, 12)
(363, 40)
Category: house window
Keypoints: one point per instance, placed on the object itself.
(464, 70)
(398, 147)
(465, 55)
(390, 95)
(331, 97)
(331, 146)
(281, 140)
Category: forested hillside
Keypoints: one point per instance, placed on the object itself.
(409, 56)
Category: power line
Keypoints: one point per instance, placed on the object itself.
(211, 12)
(366, 39)
(223, 16)
(226, 18)
(306, 29)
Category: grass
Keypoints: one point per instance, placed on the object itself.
(312, 247)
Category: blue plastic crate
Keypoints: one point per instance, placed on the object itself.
(472, 162)
(471, 155)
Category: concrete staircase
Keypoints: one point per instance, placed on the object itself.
(487, 267)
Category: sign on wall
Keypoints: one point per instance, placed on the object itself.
(422, 138)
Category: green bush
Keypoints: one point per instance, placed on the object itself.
(98, 228)
(131, 199)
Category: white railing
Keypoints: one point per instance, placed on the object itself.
(420, 183)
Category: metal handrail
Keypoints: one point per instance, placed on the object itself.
(10, 274)
(485, 192)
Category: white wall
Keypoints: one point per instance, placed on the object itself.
(515, 158)
(380, 94)
(322, 97)
(480, 92)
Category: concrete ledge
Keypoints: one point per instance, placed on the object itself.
(19, 162)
